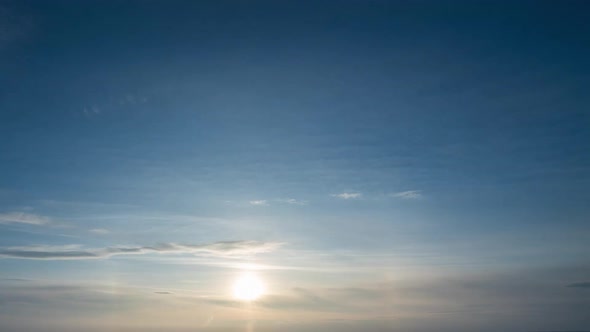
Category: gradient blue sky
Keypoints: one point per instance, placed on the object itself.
(381, 165)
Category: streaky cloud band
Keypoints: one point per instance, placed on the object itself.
(219, 249)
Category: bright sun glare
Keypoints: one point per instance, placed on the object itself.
(248, 287)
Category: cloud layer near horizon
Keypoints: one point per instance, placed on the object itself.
(221, 249)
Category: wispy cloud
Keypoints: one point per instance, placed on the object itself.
(348, 195)
(92, 110)
(23, 218)
(99, 231)
(410, 194)
(585, 284)
(292, 201)
(261, 202)
(219, 249)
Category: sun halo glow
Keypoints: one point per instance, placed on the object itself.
(248, 287)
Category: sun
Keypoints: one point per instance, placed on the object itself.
(248, 287)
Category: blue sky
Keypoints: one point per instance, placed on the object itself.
(380, 165)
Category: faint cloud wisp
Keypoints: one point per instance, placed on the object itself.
(580, 285)
(218, 249)
(23, 218)
(410, 194)
(292, 201)
(100, 231)
(348, 195)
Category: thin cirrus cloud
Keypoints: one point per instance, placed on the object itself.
(410, 194)
(348, 195)
(100, 231)
(126, 100)
(261, 202)
(92, 110)
(23, 218)
(580, 285)
(292, 201)
(218, 249)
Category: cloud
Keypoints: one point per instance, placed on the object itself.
(23, 218)
(99, 231)
(410, 194)
(15, 279)
(163, 293)
(261, 202)
(292, 201)
(585, 284)
(218, 249)
(297, 298)
(347, 195)
(92, 110)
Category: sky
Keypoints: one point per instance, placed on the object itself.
(376, 166)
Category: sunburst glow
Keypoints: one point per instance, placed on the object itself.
(248, 287)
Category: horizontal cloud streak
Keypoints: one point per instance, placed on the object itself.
(220, 249)
(23, 218)
(292, 201)
(410, 194)
(347, 195)
(580, 285)
(99, 231)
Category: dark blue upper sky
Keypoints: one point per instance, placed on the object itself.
(456, 127)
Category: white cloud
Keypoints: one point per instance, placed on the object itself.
(410, 194)
(100, 231)
(347, 195)
(23, 218)
(292, 201)
(261, 202)
(218, 249)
